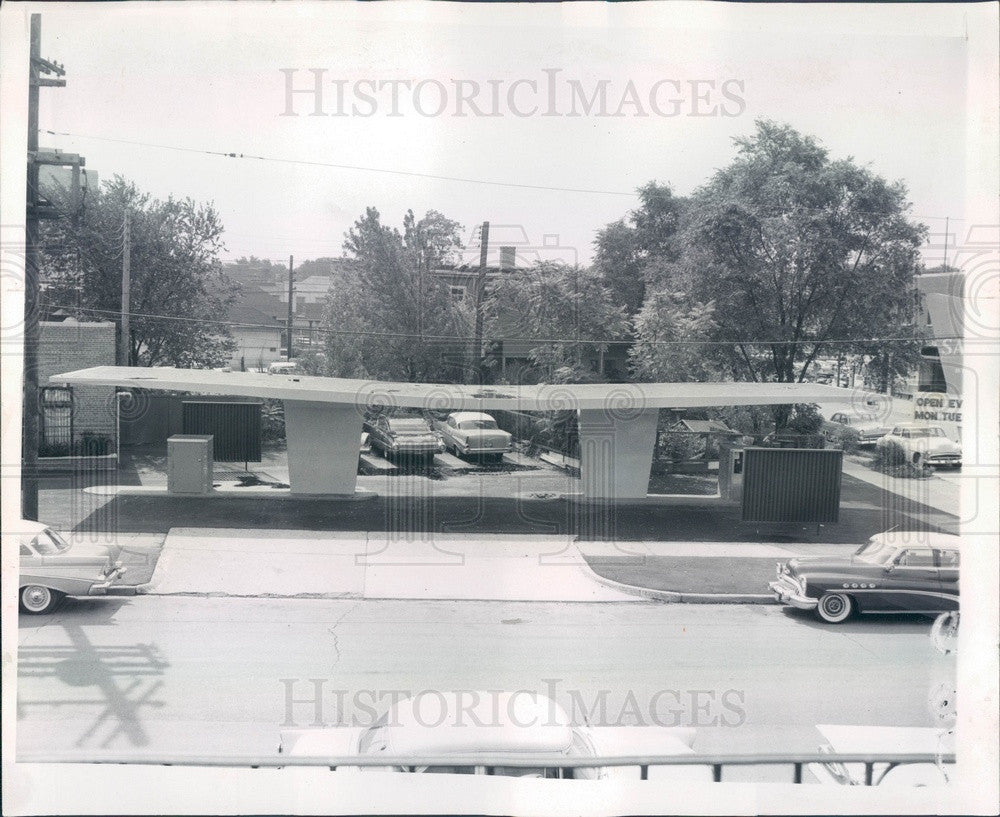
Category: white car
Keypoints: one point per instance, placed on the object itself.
(52, 568)
(468, 726)
(473, 433)
(864, 429)
(925, 445)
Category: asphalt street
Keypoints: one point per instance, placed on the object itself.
(215, 675)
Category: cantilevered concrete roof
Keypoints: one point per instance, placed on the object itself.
(617, 397)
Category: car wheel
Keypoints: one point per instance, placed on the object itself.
(36, 599)
(834, 608)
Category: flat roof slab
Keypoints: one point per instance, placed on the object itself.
(622, 400)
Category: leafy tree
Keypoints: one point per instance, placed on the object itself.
(434, 238)
(388, 317)
(795, 251)
(629, 250)
(178, 291)
(667, 329)
(565, 309)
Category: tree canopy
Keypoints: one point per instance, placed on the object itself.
(389, 318)
(559, 311)
(785, 255)
(178, 291)
(628, 251)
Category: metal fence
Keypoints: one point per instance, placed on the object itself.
(487, 764)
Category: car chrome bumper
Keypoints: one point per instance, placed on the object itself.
(786, 595)
(101, 587)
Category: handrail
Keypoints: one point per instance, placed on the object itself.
(478, 759)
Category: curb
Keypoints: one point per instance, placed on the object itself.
(676, 597)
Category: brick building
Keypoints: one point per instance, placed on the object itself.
(67, 414)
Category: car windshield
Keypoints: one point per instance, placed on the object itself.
(408, 425)
(48, 542)
(876, 551)
(933, 431)
(478, 424)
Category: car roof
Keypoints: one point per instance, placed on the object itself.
(910, 538)
(477, 721)
(915, 425)
(462, 416)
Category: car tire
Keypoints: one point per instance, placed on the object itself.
(36, 599)
(834, 608)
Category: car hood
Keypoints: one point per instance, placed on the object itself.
(872, 428)
(937, 445)
(828, 564)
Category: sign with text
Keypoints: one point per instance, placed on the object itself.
(941, 409)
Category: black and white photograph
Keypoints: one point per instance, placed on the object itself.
(500, 408)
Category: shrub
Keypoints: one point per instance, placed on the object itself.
(805, 419)
(89, 445)
(272, 421)
(681, 446)
(889, 455)
(891, 459)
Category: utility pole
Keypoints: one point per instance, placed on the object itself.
(29, 403)
(291, 304)
(125, 347)
(477, 349)
(944, 267)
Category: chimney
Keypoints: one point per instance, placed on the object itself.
(508, 258)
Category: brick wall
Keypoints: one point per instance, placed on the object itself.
(67, 346)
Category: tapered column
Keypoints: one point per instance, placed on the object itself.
(323, 440)
(616, 452)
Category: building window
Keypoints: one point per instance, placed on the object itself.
(457, 292)
(272, 349)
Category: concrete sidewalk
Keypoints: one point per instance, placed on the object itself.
(302, 564)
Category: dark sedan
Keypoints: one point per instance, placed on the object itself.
(403, 436)
(894, 572)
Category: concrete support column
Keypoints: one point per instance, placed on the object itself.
(616, 452)
(323, 444)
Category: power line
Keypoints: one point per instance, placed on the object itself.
(469, 339)
(337, 166)
(410, 173)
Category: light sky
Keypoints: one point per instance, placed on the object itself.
(886, 86)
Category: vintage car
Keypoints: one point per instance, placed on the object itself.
(403, 436)
(894, 572)
(885, 740)
(925, 445)
(481, 730)
(473, 433)
(52, 568)
(861, 429)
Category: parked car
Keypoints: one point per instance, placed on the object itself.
(885, 740)
(52, 568)
(861, 429)
(925, 445)
(894, 572)
(469, 725)
(473, 433)
(406, 436)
